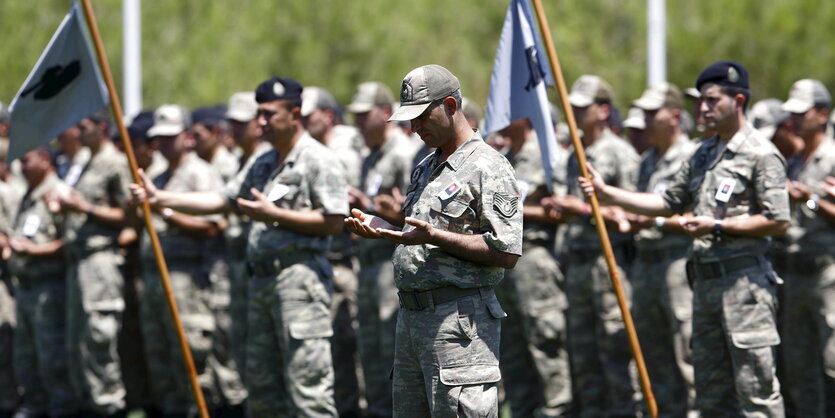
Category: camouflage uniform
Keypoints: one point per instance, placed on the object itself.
(446, 359)
(662, 304)
(809, 307)
(734, 302)
(9, 396)
(224, 365)
(186, 257)
(289, 365)
(383, 170)
(534, 336)
(40, 349)
(235, 238)
(598, 345)
(342, 256)
(69, 169)
(94, 286)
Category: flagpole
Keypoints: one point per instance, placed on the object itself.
(146, 208)
(595, 207)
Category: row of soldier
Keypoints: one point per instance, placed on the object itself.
(80, 220)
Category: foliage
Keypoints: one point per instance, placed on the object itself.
(198, 52)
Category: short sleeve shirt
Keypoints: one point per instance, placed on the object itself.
(309, 178)
(34, 221)
(745, 177)
(473, 192)
(810, 232)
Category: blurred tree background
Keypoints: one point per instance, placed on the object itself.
(197, 52)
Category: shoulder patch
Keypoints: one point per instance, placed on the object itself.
(505, 205)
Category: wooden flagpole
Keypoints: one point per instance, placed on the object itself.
(146, 208)
(595, 208)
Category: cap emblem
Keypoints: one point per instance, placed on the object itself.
(406, 92)
(278, 89)
(733, 75)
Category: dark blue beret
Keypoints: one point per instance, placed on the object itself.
(724, 73)
(209, 116)
(278, 88)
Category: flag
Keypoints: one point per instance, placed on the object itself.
(64, 87)
(517, 86)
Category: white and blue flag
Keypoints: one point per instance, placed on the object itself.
(64, 87)
(517, 86)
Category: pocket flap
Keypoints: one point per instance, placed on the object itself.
(313, 329)
(756, 338)
(470, 374)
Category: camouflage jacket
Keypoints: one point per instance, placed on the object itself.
(747, 178)
(473, 192)
(810, 232)
(309, 178)
(34, 221)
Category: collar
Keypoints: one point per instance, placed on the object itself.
(457, 159)
(49, 182)
(304, 142)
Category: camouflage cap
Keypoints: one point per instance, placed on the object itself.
(806, 94)
(170, 120)
(588, 89)
(242, 107)
(635, 119)
(370, 95)
(660, 95)
(318, 98)
(766, 115)
(421, 87)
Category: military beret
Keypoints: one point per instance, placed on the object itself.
(209, 116)
(724, 73)
(278, 88)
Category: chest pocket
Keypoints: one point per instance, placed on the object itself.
(287, 188)
(454, 215)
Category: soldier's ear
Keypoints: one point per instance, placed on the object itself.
(450, 105)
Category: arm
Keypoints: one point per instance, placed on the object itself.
(108, 215)
(649, 204)
(192, 225)
(309, 222)
(826, 206)
(756, 226)
(469, 247)
(24, 246)
(195, 203)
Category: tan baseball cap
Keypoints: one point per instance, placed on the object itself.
(317, 98)
(421, 87)
(766, 114)
(805, 94)
(242, 107)
(369, 95)
(635, 119)
(589, 88)
(692, 93)
(660, 95)
(170, 120)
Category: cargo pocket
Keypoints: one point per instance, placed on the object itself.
(470, 374)
(755, 338)
(753, 360)
(315, 323)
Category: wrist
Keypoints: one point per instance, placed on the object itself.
(166, 213)
(717, 229)
(90, 210)
(660, 221)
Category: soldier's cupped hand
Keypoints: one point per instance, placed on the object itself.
(146, 191)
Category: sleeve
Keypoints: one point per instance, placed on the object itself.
(501, 210)
(770, 186)
(208, 181)
(329, 189)
(678, 195)
(232, 190)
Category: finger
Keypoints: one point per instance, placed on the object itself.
(358, 213)
(257, 194)
(395, 192)
(417, 223)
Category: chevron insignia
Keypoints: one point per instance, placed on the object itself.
(505, 205)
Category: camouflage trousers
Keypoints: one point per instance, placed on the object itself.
(446, 360)
(598, 346)
(377, 305)
(40, 348)
(9, 397)
(230, 386)
(534, 357)
(94, 315)
(344, 342)
(809, 333)
(662, 309)
(168, 376)
(289, 363)
(734, 341)
(238, 296)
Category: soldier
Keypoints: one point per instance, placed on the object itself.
(95, 214)
(241, 115)
(295, 196)
(322, 119)
(534, 335)
(775, 124)
(808, 310)
(73, 156)
(463, 228)
(598, 347)
(735, 186)
(9, 396)
(38, 266)
(662, 303)
(635, 126)
(385, 172)
(209, 129)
